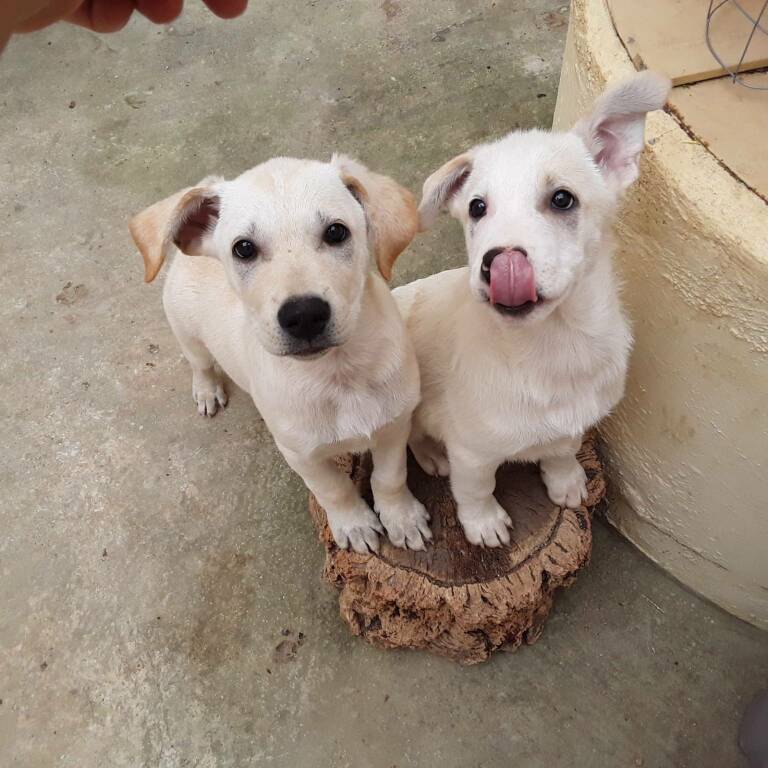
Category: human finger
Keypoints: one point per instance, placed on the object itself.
(227, 9)
(160, 11)
(103, 15)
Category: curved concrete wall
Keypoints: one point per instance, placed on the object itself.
(687, 447)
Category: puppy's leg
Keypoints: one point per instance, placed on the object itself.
(430, 453)
(564, 476)
(404, 517)
(472, 481)
(350, 519)
(207, 381)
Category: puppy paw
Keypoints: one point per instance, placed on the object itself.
(406, 522)
(208, 391)
(486, 525)
(566, 484)
(358, 528)
(431, 457)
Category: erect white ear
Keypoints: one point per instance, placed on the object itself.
(185, 220)
(614, 132)
(441, 186)
(390, 210)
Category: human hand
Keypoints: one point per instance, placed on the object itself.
(111, 15)
(97, 15)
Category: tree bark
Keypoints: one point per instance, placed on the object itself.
(457, 599)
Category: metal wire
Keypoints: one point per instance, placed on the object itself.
(736, 73)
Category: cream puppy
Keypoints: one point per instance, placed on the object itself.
(526, 348)
(280, 279)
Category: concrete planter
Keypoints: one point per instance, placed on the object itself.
(687, 447)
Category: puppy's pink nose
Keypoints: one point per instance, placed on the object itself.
(512, 280)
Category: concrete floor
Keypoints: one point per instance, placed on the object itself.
(151, 560)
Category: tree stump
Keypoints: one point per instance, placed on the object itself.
(457, 599)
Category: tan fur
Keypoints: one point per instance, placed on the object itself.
(154, 230)
(391, 210)
(148, 230)
(439, 187)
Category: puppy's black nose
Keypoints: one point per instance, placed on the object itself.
(304, 317)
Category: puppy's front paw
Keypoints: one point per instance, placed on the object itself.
(486, 525)
(208, 391)
(406, 522)
(566, 484)
(357, 528)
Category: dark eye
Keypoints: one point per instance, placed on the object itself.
(245, 250)
(335, 234)
(562, 200)
(477, 208)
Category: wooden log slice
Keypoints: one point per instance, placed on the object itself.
(457, 599)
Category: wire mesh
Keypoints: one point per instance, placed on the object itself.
(759, 26)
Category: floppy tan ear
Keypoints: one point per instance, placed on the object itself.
(390, 209)
(184, 220)
(441, 186)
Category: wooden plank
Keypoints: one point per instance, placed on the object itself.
(669, 36)
(732, 121)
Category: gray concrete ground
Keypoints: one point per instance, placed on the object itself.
(150, 560)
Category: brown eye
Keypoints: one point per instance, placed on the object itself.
(335, 234)
(562, 200)
(245, 250)
(477, 208)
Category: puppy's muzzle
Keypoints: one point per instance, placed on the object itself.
(511, 280)
(304, 318)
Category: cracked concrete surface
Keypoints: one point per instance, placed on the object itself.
(160, 597)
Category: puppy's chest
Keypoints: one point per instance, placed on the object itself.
(520, 406)
(337, 411)
(353, 410)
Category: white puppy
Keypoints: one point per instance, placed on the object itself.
(292, 305)
(526, 348)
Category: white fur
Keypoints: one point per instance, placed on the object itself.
(497, 387)
(356, 395)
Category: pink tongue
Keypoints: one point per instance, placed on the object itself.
(512, 279)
